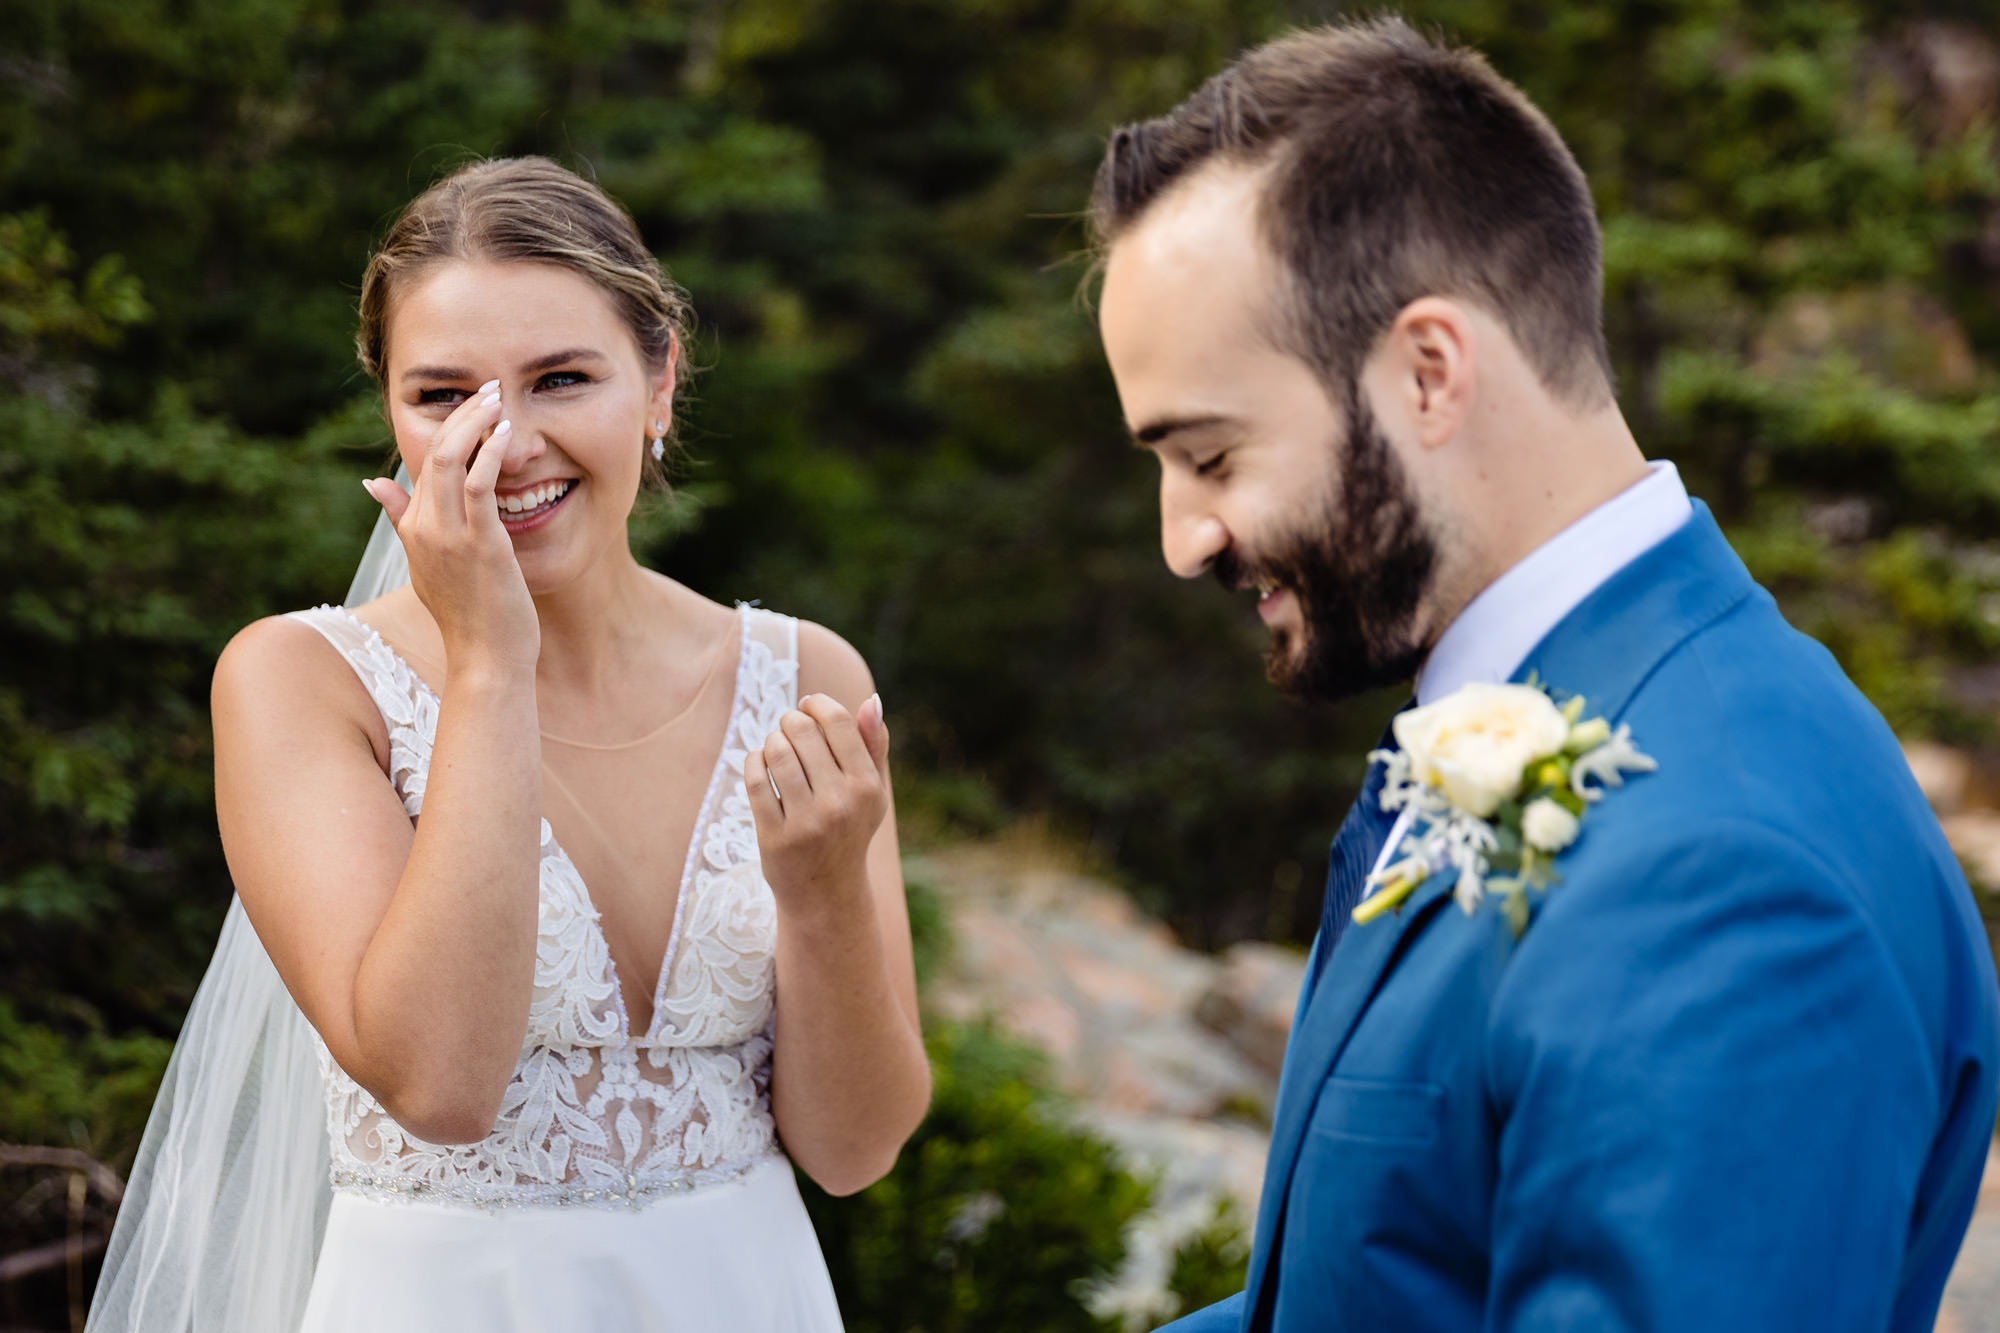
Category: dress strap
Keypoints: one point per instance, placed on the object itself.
(406, 703)
(778, 635)
(349, 636)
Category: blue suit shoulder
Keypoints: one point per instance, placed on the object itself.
(1775, 770)
(1761, 993)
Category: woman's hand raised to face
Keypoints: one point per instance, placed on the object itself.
(462, 562)
(819, 788)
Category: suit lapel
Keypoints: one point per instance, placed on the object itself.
(1353, 976)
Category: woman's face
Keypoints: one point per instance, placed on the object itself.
(582, 401)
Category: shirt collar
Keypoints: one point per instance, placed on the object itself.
(1501, 626)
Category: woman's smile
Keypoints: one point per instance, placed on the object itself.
(525, 509)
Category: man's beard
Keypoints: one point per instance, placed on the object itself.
(1360, 571)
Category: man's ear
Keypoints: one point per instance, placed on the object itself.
(1431, 364)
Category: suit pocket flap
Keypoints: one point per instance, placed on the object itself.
(1379, 1110)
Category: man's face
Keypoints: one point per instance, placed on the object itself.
(1264, 479)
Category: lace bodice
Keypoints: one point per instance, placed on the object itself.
(597, 1114)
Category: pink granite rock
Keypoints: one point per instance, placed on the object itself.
(1251, 1000)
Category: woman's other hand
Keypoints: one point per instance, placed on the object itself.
(849, 1081)
(819, 789)
(462, 563)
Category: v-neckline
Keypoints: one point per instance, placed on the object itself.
(704, 815)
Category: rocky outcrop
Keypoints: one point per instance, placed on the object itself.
(1249, 1003)
(1172, 1055)
(1967, 805)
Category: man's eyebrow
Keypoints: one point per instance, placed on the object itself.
(1150, 434)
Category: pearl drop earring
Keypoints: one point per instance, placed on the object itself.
(659, 439)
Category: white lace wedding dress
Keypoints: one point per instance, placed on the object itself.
(633, 1181)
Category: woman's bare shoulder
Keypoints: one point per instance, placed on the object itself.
(696, 614)
(829, 664)
(282, 673)
(265, 652)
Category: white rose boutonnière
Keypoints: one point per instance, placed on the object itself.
(1497, 778)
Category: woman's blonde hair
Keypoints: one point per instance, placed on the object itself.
(529, 210)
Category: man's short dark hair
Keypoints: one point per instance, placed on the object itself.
(1399, 168)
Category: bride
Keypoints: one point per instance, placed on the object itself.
(586, 885)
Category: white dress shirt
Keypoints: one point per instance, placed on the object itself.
(1497, 629)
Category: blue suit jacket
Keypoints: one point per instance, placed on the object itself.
(1739, 1073)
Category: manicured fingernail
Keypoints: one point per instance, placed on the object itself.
(502, 429)
(489, 400)
(368, 485)
(875, 702)
(489, 386)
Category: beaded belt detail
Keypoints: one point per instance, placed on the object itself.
(632, 1192)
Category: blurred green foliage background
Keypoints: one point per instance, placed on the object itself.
(903, 429)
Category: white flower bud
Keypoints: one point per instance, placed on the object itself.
(1548, 827)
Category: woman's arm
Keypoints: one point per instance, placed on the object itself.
(411, 951)
(850, 1079)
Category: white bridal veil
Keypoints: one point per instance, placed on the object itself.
(223, 1215)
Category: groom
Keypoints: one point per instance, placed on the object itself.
(1737, 1071)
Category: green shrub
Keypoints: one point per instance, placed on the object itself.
(74, 1085)
(930, 930)
(1212, 1264)
(994, 1218)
